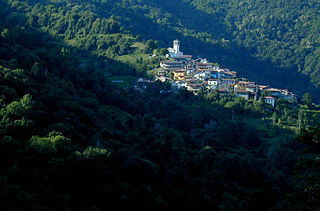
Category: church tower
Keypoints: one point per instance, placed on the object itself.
(175, 51)
(176, 47)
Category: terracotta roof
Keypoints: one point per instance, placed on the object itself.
(184, 56)
(179, 71)
(204, 64)
(221, 70)
(251, 86)
(204, 68)
(222, 90)
(246, 82)
(229, 73)
(263, 86)
(171, 62)
(241, 91)
(175, 69)
(269, 97)
(273, 90)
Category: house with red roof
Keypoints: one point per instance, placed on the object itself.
(270, 100)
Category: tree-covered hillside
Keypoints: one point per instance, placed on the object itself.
(273, 42)
(71, 140)
(284, 33)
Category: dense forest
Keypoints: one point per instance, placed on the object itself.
(272, 42)
(72, 140)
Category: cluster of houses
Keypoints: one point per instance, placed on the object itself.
(199, 75)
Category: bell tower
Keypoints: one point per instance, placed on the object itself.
(176, 47)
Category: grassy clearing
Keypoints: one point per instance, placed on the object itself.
(136, 54)
(139, 46)
(123, 81)
(132, 58)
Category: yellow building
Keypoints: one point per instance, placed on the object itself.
(179, 75)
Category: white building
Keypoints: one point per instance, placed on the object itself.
(171, 64)
(270, 100)
(175, 51)
(213, 83)
(201, 75)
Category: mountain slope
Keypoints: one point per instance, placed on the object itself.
(273, 42)
(69, 139)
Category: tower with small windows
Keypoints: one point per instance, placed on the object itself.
(176, 47)
(175, 51)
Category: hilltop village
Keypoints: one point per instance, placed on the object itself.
(199, 75)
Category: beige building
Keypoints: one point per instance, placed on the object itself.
(178, 75)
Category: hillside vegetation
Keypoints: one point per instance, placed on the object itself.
(274, 42)
(72, 140)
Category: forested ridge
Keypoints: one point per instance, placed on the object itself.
(70, 139)
(273, 42)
